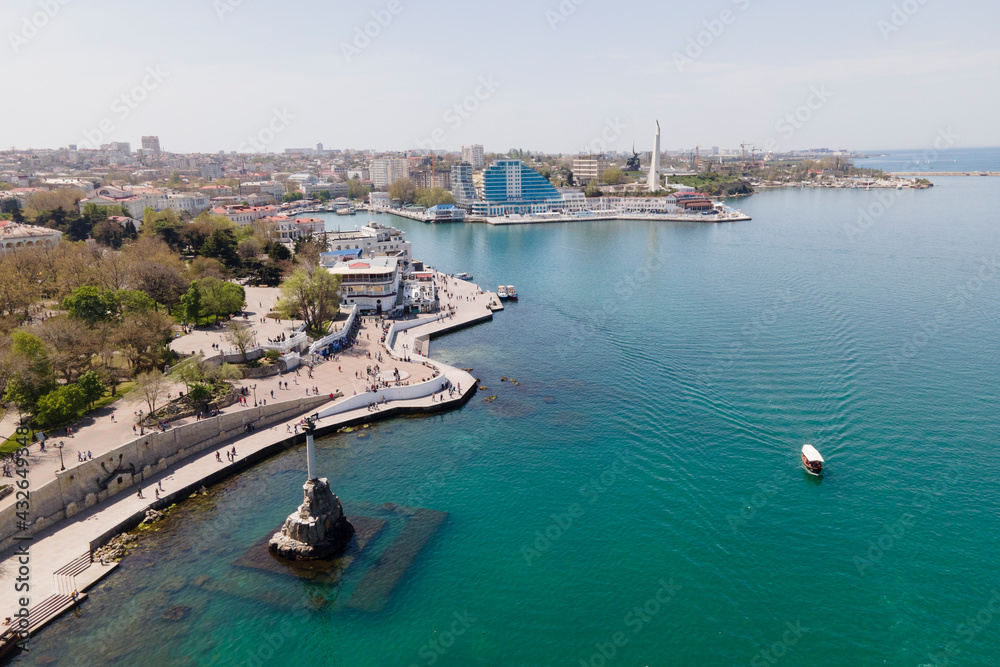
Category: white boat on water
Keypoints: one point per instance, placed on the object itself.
(464, 276)
(511, 293)
(812, 461)
(502, 291)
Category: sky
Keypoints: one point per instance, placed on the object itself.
(545, 75)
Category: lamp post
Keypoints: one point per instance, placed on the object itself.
(62, 466)
(255, 395)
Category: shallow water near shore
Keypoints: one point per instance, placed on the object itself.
(638, 493)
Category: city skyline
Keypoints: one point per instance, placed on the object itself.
(558, 77)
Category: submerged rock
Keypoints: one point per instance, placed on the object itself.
(176, 612)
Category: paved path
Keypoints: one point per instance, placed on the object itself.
(57, 545)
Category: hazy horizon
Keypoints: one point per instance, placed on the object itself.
(558, 77)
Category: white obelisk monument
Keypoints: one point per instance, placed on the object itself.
(653, 182)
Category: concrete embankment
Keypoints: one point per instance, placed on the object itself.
(90, 503)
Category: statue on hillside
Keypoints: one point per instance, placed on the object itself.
(632, 164)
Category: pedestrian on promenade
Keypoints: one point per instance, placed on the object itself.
(234, 452)
(157, 492)
(160, 484)
(218, 458)
(140, 492)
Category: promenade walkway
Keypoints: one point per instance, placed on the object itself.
(57, 546)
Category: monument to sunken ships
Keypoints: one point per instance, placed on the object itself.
(318, 529)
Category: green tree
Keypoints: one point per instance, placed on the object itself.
(613, 176)
(433, 197)
(60, 405)
(191, 304)
(592, 190)
(292, 196)
(92, 387)
(220, 297)
(30, 373)
(90, 304)
(132, 301)
(311, 294)
(221, 245)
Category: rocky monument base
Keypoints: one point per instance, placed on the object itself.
(317, 530)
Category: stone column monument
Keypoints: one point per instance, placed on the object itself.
(318, 529)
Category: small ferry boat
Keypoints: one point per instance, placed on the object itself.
(502, 291)
(511, 293)
(343, 210)
(812, 461)
(464, 276)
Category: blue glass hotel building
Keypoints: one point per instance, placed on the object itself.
(510, 186)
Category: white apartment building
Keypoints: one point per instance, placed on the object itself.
(588, 168)
(474, 155)
(386, 171)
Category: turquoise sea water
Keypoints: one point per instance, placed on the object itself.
(637, 499)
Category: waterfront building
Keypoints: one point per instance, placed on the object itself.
(371, 284)
(653, 181)
(445, 213)
(474, 155)
(380, 201)
(14, 235)
(587, 168)
(510, 186)
(373, 240)
(335, 189)
(386, 171)
(151, 145)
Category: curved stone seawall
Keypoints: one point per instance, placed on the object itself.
(86, 484)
